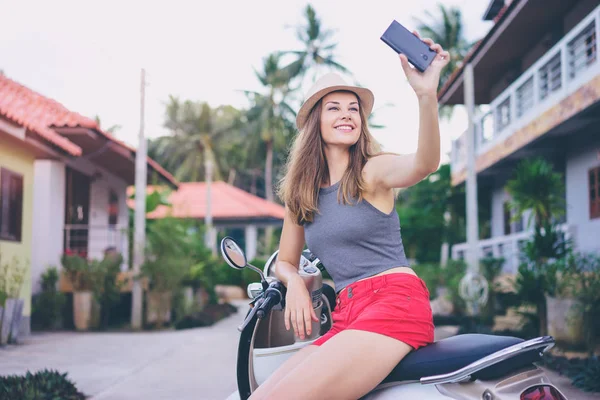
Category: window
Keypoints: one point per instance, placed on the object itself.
(594, 191)
(11, 205)
(113, 208)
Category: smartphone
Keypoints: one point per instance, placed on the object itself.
(403, 41)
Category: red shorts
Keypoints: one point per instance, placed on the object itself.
(395, 305)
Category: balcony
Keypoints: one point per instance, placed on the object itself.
(509, 246)
(92, 241)
(566, 67)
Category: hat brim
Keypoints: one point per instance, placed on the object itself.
(365, 96)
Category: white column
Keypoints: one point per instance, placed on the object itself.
(472, 216)
(48, 218)
(251, 238)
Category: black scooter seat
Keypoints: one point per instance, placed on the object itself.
(456, 352)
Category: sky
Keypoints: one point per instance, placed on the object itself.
(88, 55)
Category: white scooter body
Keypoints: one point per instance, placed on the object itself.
(505, 369)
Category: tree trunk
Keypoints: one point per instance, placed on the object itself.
(269, 172)
(232, 173)
(253, 183)
(269, 192)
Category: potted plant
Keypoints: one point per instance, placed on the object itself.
(80, 274)
(169, 254)
(580, 298)
(164, 274)
(11, 280)
(538, 188)
(565, 317)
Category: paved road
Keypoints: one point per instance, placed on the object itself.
(194, 364)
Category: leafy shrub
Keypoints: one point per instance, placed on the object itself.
(46, 307)
(431, 274)
(451, 276)
(583, 373)
(46, 384)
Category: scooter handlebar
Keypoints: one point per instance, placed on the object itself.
(272, 297)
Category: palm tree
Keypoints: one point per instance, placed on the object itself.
(537, 187)
(447, 29)
(270, 116)
(318, 48)
(197, 133)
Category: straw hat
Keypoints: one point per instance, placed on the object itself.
(328, 83)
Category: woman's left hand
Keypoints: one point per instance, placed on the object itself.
(426, 83)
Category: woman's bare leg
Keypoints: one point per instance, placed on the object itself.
(290, 364)
(347, 366)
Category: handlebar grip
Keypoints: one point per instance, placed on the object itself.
(264, 307)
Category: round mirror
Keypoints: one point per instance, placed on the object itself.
(232, 253)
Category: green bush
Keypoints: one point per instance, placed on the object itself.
(431, 274)
(107, 290)
(583, 372)
(451, 276)
(490, 268)
(46, 384)
(46, 307)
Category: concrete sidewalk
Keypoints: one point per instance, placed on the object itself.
(188, 364)
(194, 364)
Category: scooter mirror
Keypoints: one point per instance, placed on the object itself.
(232, 253)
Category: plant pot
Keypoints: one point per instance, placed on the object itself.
(7, 315)
(82, 310)
(158, 307)
(565, 320)
(16, 321)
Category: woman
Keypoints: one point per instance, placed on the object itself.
(339, 195)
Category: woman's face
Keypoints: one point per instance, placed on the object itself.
(340, 119)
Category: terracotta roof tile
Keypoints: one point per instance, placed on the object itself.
(40, 114)
(229, 202)
(36, 112)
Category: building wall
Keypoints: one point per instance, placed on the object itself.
(48, 217)
(583, 156)
(49, 212)
(103, 182)
(17, 158)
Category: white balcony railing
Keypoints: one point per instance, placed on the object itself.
(94, 240)
(568, 65)
(510, 247)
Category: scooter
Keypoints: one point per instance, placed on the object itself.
(467, 366)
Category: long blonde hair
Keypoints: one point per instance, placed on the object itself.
(306, 168)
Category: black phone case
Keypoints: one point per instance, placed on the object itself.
(403, 41)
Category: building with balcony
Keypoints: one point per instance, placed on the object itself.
(537, 93)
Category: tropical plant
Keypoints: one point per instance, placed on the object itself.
(446, 29)
(270, 116)
(46, 308)
(537, 187)
(108, 287)
(78, 271)
(45, 384)
(318, 49)
(197, 132)
(582, 277)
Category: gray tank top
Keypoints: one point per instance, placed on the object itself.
(354, 241)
